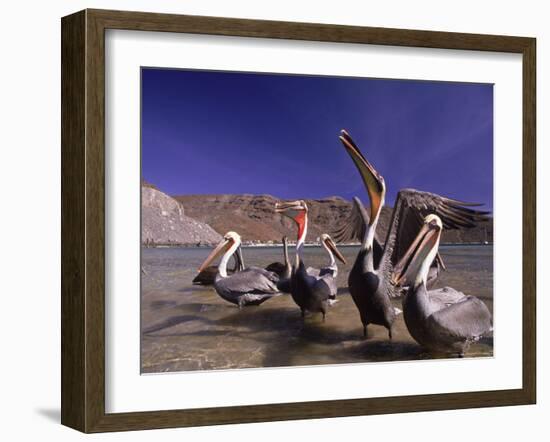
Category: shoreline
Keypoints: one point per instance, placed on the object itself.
(279, 245)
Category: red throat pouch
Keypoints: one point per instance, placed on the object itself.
(301, 221)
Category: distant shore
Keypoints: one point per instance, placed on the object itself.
(258, 245)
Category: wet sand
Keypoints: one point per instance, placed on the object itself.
(186, 327)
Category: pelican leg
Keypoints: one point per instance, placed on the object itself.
(365, 330)
(303, 313)
(390, 333)
(324, 314)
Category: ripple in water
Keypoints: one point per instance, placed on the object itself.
(187, 327)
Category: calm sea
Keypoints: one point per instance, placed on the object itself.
(187, 327)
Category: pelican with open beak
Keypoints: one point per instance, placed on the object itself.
(443, 320)
(251, 286)
(312, 292)
(297, 211)
(372, 281)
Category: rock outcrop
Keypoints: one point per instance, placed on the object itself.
(163, 221)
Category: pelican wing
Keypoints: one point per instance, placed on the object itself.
(323, 271)
(444, 297)
(354, 228)
(331, 284)
(411, 207)
(468, 319)
(251, 280)
(324, 289)
(327, 275)
(303, 281)
(272, 276)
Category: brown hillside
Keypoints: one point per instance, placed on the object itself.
(254, 218)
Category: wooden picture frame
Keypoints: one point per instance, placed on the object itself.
(83, 220)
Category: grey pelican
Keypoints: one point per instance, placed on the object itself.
(332, 267)
(281, 269)
(442, 320)
(208, 275)
(329, 273)
(251, 286)
(310, 292)
(372, 281)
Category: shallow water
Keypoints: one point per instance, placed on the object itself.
(187, 327)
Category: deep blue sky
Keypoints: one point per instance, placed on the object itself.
(219, 132)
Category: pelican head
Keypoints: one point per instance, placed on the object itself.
(295, 210)
(329, 244)
(292, 209)
(374, 182)
(232, 236)
(415, 264)
(230, 241)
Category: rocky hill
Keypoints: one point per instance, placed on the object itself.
(163, 221)
(253, 217)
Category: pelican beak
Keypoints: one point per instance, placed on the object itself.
(291, 208)
(406, 269)
(332, 246)
(374, 182)
(221, 248)
(296, 210)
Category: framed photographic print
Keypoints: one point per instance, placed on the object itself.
(268, 220)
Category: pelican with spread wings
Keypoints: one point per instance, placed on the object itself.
(373, 279)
